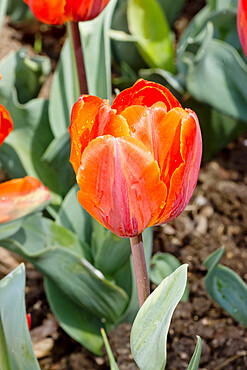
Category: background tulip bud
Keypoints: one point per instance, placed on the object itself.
(61, 11)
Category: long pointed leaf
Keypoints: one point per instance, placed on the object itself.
(150, 328)
(16, 351)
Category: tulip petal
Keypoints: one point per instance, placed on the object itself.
(49, 11)
(242, 24)
(85, 10)
(159, 132)
(6, 123)
(120, 184)
(144, 93)
(184, 178)
(92, 117)
(20, 197)
(82, 119)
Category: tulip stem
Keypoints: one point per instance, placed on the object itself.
(78, 51)
(140, 267)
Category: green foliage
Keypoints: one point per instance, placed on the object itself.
(64, 93)
(18, 11)
(16, 348)
(79, 294)
(148, 25)
(113, 364)
(162, 265)
(225, 86)
(25, 73)
(9, 228)
(97, 53)
(150, 328)
(226, 287)
(194, 362)
(171, 9)
(79, 323)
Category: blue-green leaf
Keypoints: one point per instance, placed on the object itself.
(16, 348)
(226, 287)
(80, 324)
(63, 93)
(150, 328)
(162, 265)
(113, 364)
(194, 362)
(72, 216)
(97, 53)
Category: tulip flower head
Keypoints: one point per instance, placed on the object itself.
(61, 11)
(6, 123)
(20, 197)
(136, 162)
(242, 24)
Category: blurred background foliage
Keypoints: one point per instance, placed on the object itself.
(204, 67)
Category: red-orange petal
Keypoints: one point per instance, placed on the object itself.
(184, 178)
(28, 316)
(120, 184)
(242, 24)
(20, 197)
(92, 117)
(6, 123)
(49, 11)
(144, 93)
(85, 10)
(83, 116)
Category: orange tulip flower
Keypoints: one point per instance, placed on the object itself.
(242, 24)
(20, 197)
(61, 11)
(6, 123)
(136, 162)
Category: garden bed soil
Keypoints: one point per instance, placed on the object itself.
(215, 217)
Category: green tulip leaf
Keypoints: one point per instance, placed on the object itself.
(223, 4)
(148, 25)
(226, 287)
(97, 52)
(112, 254)
(19, 11)
(9, 228)
(216, 124)
(64, 93)
(80, 324)
(150, 328)
(16, 348)
(124, 49)
(171, 9)
(162, 265)
(63, 260)
(194, 362)
(25, 73)
(56, 157)
(22, 150)
(72, 216)
(113, 364)
(225, 85)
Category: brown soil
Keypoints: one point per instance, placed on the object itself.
(216, 216)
